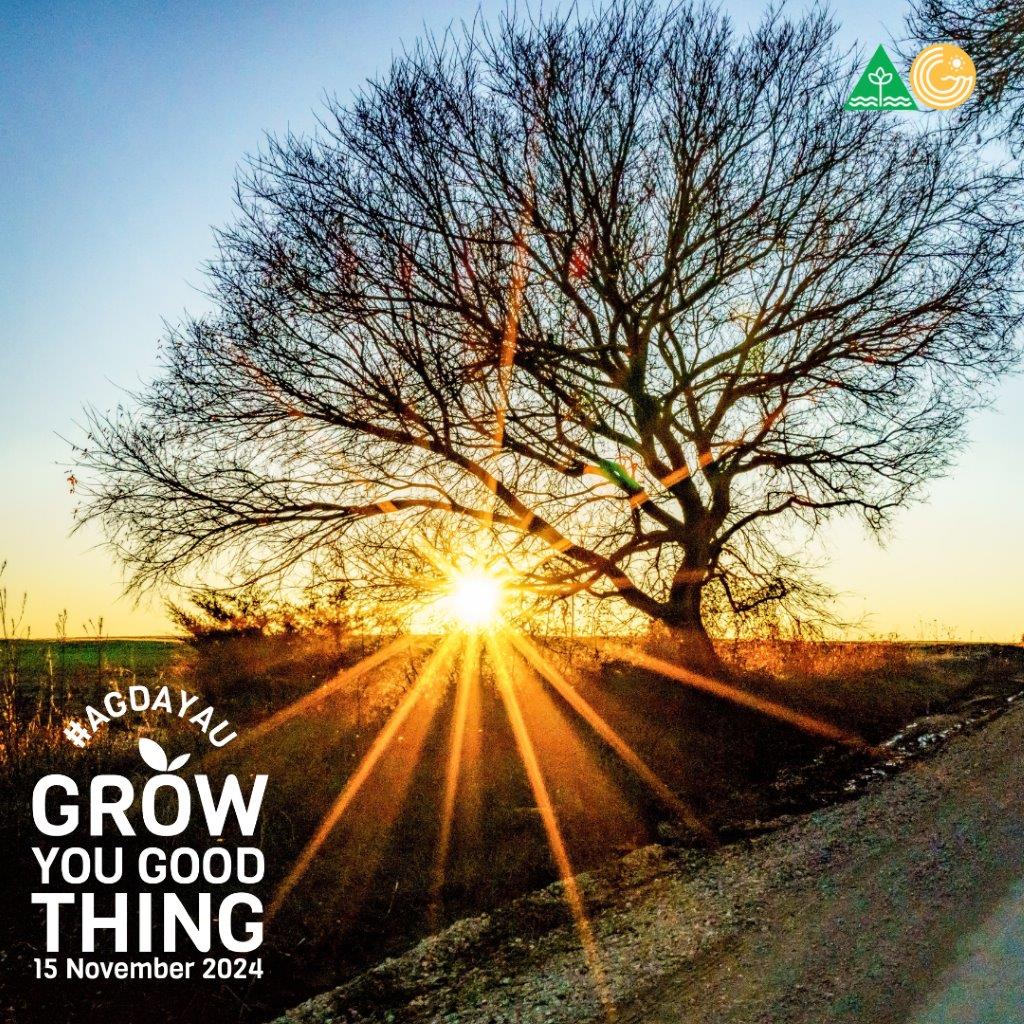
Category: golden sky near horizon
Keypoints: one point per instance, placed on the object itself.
(952, 568)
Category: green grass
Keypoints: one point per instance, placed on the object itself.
(145, 657)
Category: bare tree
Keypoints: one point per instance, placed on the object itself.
(992, 33)
(628, 291)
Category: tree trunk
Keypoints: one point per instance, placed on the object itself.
(683, 618)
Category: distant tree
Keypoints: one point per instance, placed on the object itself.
(213, 615)
(628, 291)
(992, 33)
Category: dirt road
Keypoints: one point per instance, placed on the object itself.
(987, 984)
(902, 906)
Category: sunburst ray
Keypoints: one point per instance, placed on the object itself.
(438, 660)
(570, 887)
(468, 680)
(629, 756)
(718, 688)
(337, 682)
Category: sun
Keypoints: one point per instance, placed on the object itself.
(474, 599)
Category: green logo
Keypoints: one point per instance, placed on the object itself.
(880, 87)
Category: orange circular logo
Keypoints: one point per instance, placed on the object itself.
(942, 76)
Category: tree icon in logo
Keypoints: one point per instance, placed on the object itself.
(880, 87)
(881, 78)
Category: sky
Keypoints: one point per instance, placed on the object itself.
(121, 126)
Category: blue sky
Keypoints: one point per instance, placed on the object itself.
(121, 128)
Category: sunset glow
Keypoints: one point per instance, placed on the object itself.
(474, 599)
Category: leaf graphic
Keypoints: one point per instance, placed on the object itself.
(153, 754)
(178, 762)
(880, 77)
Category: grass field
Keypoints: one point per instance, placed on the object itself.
(142, 655)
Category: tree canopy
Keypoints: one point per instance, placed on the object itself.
(628, 292)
